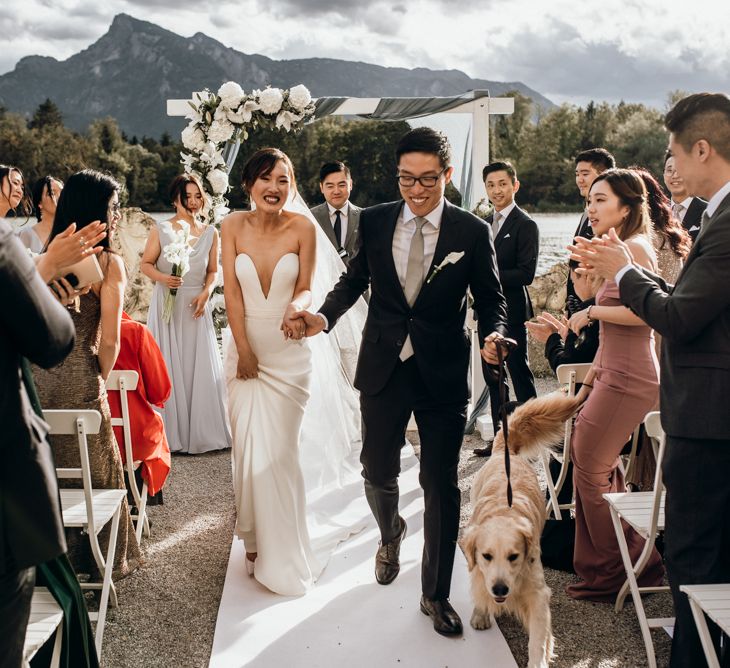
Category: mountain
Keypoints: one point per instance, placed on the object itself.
(132, 70)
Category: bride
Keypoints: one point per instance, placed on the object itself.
(269, 256)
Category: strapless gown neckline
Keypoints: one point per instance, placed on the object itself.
(266, 295)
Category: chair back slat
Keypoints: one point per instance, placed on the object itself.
(130, 378)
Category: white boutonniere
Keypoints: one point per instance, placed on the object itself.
(451, 258)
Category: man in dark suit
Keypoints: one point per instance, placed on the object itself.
(516, 243)
(588, 165)
(338, 217)
(35, 326)
(419, 256)
(693, 318)
(687, 209)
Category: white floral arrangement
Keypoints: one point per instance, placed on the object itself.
(217, 119)
(177, 253)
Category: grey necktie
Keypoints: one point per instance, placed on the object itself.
(677, 211)
(414, 278)
(495, 224)
(414, 272)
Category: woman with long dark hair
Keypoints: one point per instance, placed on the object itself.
(195, 414)
(45, 194)
(78, 382)
(621, 387)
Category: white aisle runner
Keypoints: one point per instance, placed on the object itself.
(348, 619)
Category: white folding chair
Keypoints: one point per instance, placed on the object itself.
(644, 512)
(714, 601)
(123, 382)
(569, 375)
(46, 620)
(89, 509)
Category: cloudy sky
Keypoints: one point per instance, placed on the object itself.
(570, 51)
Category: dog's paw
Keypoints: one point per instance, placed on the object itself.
(480, 620)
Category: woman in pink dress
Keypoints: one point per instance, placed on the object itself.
(621, 388)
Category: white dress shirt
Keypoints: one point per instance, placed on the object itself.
(503, 215)
(684, 204)
(405, 228)
(712, 205)
(343, 219)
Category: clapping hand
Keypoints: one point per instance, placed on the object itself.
(546, 325)
(69, 247)
(601, 256)
(579, 320)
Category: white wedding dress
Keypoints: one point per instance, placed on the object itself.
(295, 460)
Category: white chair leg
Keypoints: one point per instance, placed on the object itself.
(107, 586)
(704, 633)
(101, 562)
(553, 505)
(142, 522)
(638, 569)
(634, 587)
(57, 644)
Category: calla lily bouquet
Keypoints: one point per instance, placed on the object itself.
(451, 258)
(177, 253)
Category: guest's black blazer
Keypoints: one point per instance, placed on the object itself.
(36, 326)
(693, 218)
(517, 245)
(435, 322)
(693, 318)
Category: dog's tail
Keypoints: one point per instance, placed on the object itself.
(538, 423)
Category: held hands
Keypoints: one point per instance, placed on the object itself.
(313, 323)
(293, 325)
(601, 256)
(198, 304)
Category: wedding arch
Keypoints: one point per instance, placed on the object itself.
(220, 121)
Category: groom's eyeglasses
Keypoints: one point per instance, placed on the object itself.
(425, 181)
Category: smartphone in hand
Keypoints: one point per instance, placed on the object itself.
(84, 272)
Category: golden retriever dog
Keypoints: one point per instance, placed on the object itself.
(502, 544)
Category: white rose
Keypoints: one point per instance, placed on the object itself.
(220, 131)
(300, 97)
(231, 94)
(218, 180)
(193, 138)
(271, 100)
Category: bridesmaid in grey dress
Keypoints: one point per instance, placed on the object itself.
(46, 192)
(195, 415)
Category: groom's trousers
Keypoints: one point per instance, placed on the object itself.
(441, 429)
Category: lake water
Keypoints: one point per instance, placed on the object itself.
(556, 231)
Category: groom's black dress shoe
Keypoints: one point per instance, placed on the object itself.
(387, 558)
(446, 620)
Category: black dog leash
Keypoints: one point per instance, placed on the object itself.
(504, 347)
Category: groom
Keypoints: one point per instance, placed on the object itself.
(419, 256)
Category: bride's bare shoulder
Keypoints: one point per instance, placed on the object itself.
(234, 220)
(300, 221)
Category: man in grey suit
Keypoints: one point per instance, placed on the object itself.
(693, 318)
(338, 217)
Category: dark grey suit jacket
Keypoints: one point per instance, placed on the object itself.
(322, 216)
(34, 325)
(693, 318)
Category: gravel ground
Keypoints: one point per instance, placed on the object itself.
(168, 608)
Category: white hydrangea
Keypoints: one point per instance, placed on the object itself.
(300, 97)
(285, 119)
(220, 131)
(231, 94)
(218, 180)
(193, 138)
(211, 155)
(270, 100)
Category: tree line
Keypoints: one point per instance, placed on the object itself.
(540, 144)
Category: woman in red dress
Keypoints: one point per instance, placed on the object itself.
(139, 352)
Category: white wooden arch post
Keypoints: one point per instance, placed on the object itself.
(480, 108)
